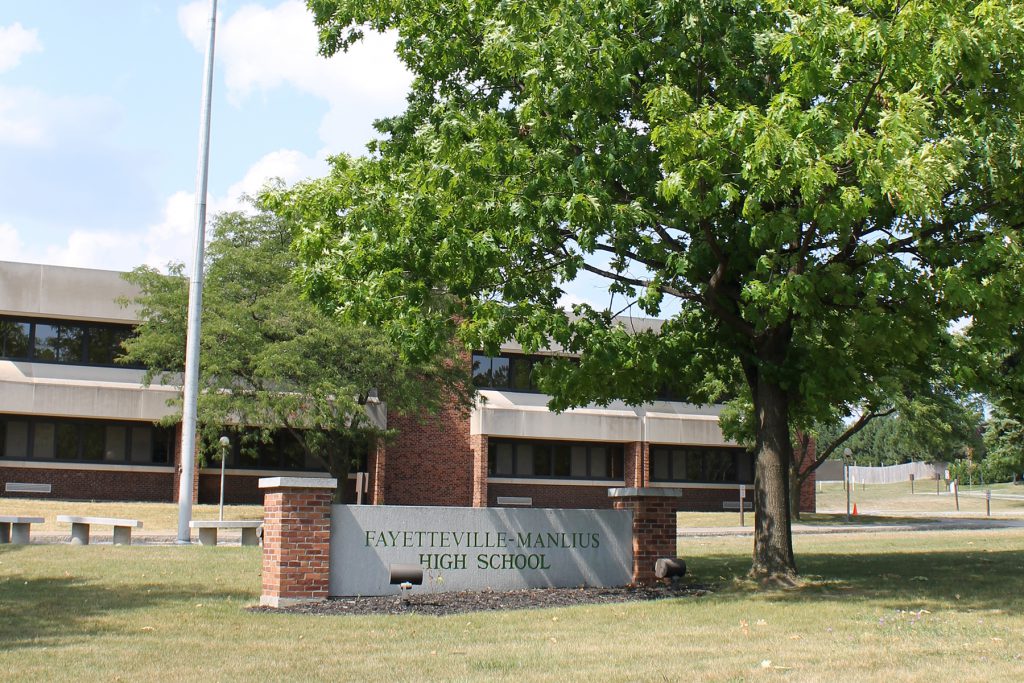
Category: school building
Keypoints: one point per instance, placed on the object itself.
(73, 420)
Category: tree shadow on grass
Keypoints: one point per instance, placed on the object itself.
(966, 580)
(51, 610)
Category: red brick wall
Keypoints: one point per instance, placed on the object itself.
(637, 464)
(478, 443)
(805, 457)
(554, 496)
(430, 461)
(93, 484)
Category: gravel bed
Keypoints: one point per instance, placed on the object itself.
(441, 604)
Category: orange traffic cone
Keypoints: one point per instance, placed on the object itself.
(854, 509)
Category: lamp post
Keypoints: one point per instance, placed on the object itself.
(847, 453)
(224, 443)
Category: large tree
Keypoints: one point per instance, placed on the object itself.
(810, 192)
(270, 360)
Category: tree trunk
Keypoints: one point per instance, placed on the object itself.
(773, 540)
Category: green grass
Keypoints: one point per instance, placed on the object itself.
(872, 607)
(897, 500)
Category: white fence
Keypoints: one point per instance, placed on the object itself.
(832, 470)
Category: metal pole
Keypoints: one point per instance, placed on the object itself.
(988, 503)
(195, 300)
(743, 497)
(846, 478)
(224, 442)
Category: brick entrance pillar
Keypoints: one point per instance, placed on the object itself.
(654, 525)
(296, 540)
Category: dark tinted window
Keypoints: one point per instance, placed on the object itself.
(14, 338)
(507, 458)
(62, 341)
(701, 464)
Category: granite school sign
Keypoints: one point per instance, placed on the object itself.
(478, 548)
(313, 549)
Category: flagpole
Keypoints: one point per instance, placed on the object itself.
(195, 301)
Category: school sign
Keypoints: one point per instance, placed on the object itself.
(478, 548)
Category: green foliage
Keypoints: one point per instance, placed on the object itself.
(271, 360)
(1004, 443)
(811, 192)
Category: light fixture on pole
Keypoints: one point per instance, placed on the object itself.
(224, 443)
(195, 301)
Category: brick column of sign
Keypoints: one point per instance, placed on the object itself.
(296, 540)
(654, 525)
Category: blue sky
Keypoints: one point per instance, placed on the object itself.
(99, 119)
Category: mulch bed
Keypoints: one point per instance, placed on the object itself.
(441, 604)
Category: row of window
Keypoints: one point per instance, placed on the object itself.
(62, 341)
(701, 464)
(554, 459)
(558, 459)
(504, 372)
(32, 438)
(282, 452)
(515, 372)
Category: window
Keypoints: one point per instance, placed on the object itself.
(15, 338)
(67, 440)
(507, 371)
(701, 464)
(62, 341)
(544, 459)
(283, 451)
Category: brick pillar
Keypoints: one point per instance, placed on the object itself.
(296, 540)
(478, 444)
(654, 525)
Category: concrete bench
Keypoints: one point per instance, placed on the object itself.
(16, 529)
(735, 505)
(208, 530)
(18, 487)
(80, 528)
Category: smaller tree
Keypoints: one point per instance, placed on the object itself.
(1004, 441)
(271, 361)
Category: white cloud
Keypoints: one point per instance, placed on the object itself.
(261, 49)
(289, 165)
(15, 42)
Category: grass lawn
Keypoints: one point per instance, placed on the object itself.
(896, 499)
(874, 607)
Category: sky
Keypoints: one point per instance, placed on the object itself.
(100, 117)
(100, 114)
